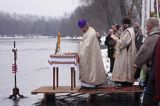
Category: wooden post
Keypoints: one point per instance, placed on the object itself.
(49, 97)
(53, 78)
(150, 8)
(57, 76)
(91, 98)
(72, 78)
(157, 8)
(74, 74)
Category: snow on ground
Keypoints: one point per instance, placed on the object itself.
(106, 60)
(103, 38)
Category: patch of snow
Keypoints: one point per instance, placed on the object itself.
(103, 38)
(106, 60)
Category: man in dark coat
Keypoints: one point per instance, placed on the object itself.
(110, 43)
(145, 55)
(139, 35)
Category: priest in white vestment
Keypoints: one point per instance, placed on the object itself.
(92, 72)
(123, 70)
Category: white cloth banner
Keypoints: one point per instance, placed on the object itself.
(63, 60)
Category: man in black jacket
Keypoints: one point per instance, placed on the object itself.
(110, 43)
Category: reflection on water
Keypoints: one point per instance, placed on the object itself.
(16, 102)
(100, 100)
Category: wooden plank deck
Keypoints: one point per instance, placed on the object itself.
(107, 90)
(67, 89)
(49, 89)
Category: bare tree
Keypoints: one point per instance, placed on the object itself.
(101, 14)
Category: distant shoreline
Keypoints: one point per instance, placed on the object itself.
(39, 37)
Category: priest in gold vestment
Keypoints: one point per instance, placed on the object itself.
(92, 72)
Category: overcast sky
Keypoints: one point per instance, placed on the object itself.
(54, 8)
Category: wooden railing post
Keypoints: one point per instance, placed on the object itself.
(53, 78)
(72, 78)
(57, 76)
(74, 74)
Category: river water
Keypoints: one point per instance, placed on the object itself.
(34, 71)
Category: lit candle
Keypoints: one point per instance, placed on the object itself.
(59, 39)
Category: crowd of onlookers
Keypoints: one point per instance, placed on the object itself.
(132, 56)
(135, 56)
(116, 30)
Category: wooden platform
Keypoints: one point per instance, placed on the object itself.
(102, 90)
(49, 89)
(107, 90)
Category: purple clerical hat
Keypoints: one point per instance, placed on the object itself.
(82, 23)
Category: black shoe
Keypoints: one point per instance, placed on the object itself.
(96, 87)
(83, 87)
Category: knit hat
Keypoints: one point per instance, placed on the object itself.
(82, 23)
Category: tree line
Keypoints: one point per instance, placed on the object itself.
(100, 14)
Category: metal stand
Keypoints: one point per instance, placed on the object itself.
(15, 94)
(15, 89)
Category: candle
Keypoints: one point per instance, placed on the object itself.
(59, 40)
